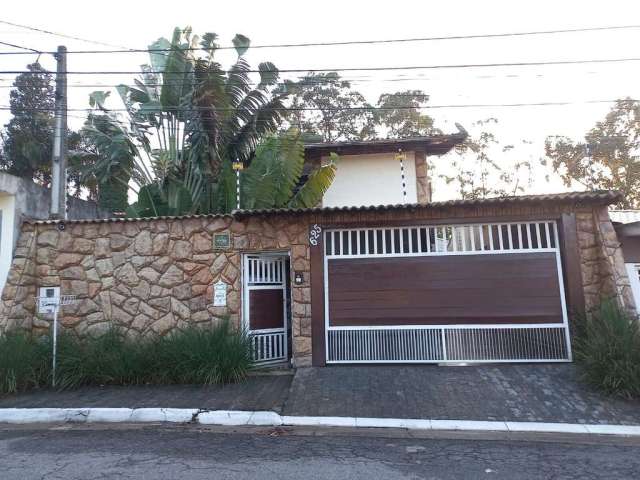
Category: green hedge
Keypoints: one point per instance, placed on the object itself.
(193, 355)
(607, 348)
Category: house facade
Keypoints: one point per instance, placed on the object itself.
(381, 172)
(461, 281)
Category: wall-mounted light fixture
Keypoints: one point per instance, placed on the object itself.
(298, 278)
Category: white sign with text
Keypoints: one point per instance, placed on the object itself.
(220, 294)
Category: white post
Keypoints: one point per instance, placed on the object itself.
(238, 189)
(55, 345)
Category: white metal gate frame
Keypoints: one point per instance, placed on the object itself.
(268, 345)
(454, 239)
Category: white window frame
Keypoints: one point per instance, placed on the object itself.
(633, 272)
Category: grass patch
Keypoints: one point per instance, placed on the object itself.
(193, 355)
(607, 347)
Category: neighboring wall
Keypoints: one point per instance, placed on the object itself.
(629, 236)
(22, 199)
(153, 276)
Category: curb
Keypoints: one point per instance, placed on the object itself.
(269, 418)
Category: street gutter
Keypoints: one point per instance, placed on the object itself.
(273, 419)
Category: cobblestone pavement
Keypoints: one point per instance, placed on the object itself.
(195, 454)
(539, 393)
(257, 393)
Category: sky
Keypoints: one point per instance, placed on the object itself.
(136, 24)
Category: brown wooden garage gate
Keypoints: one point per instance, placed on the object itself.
(445, 293)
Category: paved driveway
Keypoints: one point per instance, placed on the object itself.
(525, 392)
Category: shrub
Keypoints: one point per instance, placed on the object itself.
(106, 359)
(608, 350)
(24, 362)
(203, 356)
(193, 355)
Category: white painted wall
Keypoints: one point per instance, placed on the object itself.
(374, 179)
(7, 229)
(633, 272)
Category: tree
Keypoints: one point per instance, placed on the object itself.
(274, 179)
(324, 105)
(187, 121)
(107, 159)
(476, 174)
(399, 113)
(28, 136)
(608, 158)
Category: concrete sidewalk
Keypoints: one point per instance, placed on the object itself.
(491, 393)
(266, 393)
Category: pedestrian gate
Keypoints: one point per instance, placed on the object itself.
(265, 306)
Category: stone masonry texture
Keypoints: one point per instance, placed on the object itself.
(153, 276)
(148, 277)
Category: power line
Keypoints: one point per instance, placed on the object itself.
(31, 50)
(364, 108)
(362, 69)
(62, 35)
(331, 44)
(321, 81)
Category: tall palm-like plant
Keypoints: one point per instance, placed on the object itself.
(275, 178)
(187, 120)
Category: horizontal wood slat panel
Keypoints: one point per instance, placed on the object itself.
(470, 289)
(266, 309)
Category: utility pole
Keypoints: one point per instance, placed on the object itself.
(59, 157)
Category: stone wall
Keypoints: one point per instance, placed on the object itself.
(149, 276)
(602, 263)
(155, 276)
(423, 184)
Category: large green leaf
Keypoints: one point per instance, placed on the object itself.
(176, 76)
(98, 98)
(310, 194)
(268, 74)
(241, 43)
(159, 58)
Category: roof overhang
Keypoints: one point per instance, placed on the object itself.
(628, 229)
(431, 145)
(596, 198)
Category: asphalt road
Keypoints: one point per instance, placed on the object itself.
(189, 453)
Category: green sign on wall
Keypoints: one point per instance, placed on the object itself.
(221, 241)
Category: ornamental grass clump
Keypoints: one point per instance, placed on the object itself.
(108, 359)
(24, 362)
(203, 356)
(220, 354)
(607, 348)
